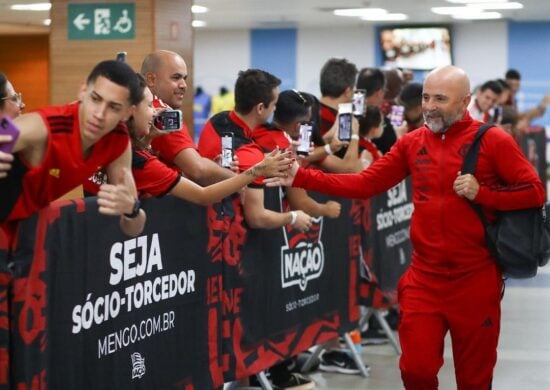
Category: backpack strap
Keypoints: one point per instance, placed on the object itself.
(470, 159)
(469, 166)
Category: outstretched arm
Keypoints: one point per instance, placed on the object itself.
(274, 164)
(200, 169)
(300, 200)
(258, 217)
(381, 176)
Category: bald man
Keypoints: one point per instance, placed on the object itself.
(453, 284)
(166, 73)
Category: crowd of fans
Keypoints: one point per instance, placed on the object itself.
(112, 126)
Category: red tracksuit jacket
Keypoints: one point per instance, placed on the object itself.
(447, 235)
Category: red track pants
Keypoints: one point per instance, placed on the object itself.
(469, 307)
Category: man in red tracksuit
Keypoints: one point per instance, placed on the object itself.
(453, 283)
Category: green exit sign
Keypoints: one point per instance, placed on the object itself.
(101, 21)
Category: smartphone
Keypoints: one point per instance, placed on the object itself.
(344, 121)
(121, 56)
(169, 120)
(396, 115)
(359, 102)
(227, 150)
(305, 139)
(7, 127)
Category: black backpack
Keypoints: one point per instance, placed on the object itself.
(519, 239)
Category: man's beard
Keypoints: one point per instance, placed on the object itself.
(442, 123)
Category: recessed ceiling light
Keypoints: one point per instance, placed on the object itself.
(501, 5)
(31, 7)
(198, 9)
(198, 23)
(366, 12)
(47, 22)
(478, 16)
(385, 17)
(454, 10)
(475, 1)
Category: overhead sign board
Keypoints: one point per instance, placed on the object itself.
(100, 21)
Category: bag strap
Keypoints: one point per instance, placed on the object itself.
(470, 159)
(469, 166)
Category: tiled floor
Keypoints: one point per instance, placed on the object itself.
(524, 347)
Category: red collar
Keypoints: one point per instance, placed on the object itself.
(235, 118)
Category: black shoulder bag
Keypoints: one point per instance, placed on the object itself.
(519, 239)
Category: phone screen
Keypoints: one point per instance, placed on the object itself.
(344, 127)
(7, 127)
(121, 56)
(227, 150)
(396, 115)
(170, 120)
(305, 139)
(359, 102)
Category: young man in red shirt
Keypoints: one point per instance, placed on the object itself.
(256, 94)
(453, 284)
(58, 148)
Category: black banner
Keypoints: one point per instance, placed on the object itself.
(96, 309)
(195, 301)
(385, 243)
(533, 145)
(280, 291)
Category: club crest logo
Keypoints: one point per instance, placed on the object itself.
(138, 365)
(302, 256)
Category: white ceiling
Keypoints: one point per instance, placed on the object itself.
(245, 14)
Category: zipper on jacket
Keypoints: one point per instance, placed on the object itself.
(442, 176)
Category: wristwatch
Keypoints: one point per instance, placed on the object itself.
(135, 210)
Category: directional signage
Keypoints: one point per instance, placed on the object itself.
(101, 21)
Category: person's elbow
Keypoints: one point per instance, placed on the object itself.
(253, 222)
(541, 195)
(254, 219)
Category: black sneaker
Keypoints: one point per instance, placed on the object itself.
(393, 318)
(295, 381)
(374, 337)
(339, 361)
(301, 359)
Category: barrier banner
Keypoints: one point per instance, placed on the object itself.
(533, 145)
(5, 280)
(94, 309)
(195, 301)
(385, 243)
(286, 292)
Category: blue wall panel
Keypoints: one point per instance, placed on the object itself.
(274, 50)
(529, 53)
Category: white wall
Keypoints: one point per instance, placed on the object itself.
(219, 56)
(316, 46)
(480, 48)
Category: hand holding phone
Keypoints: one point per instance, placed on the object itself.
(8, 136)
(121, 56)
(227, 150)
(169, 120)
(359, 102)
(344, 121)
(304, 144)
(396, 115)
(7, 127)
